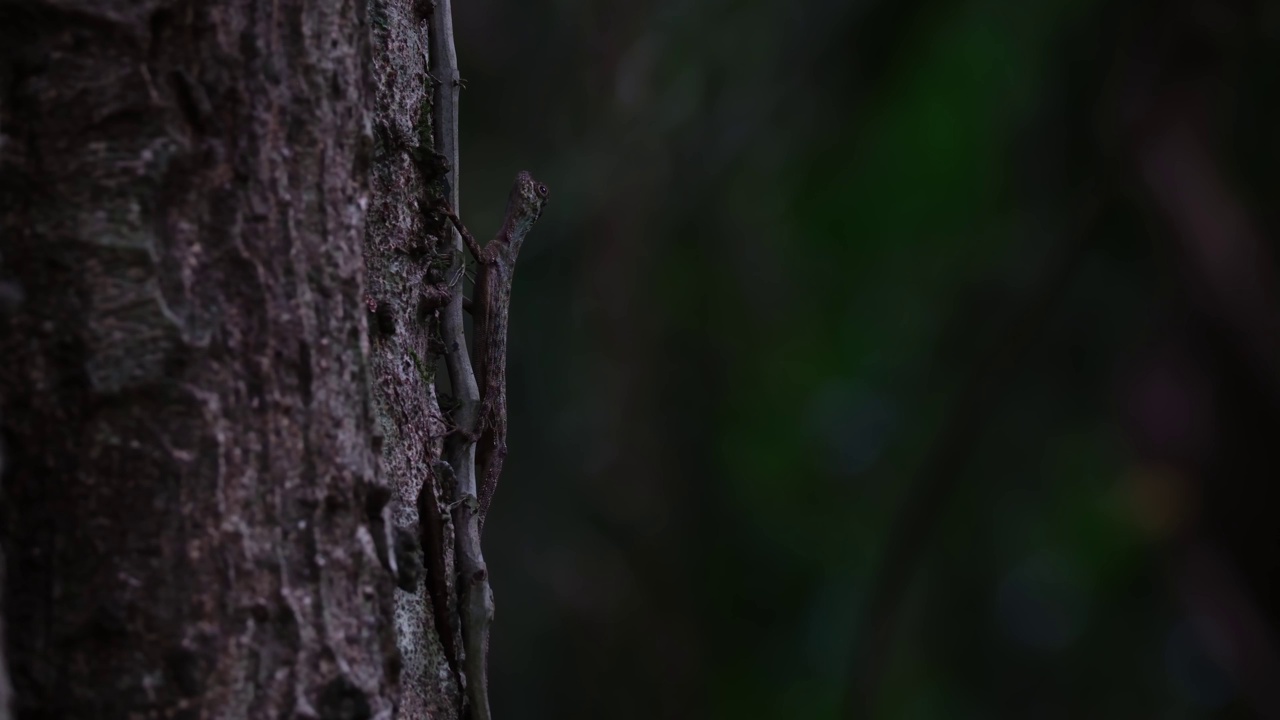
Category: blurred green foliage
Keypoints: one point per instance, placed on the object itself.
(782, 237)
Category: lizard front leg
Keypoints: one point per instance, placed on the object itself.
(496, 266)
(467, 237)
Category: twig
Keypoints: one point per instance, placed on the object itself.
(475, 595)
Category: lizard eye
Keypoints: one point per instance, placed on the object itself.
(542, 190)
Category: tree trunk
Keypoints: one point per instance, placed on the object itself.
(407, 259)
(193, 512)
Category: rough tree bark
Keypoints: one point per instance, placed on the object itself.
(408, 259)
(193, 513)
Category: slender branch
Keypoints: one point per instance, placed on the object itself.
(476, 597)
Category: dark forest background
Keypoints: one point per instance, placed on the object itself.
(912, 359)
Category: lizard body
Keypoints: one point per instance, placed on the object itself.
(491, 306)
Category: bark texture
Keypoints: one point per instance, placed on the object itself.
(407, 266)
(192, 507)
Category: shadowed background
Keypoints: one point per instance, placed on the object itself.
(911, 359)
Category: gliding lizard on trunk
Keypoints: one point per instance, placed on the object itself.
(490, 308)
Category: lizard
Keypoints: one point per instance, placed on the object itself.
(490, 309)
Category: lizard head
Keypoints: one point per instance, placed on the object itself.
(528, 198)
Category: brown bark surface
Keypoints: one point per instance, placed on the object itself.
(407, 264)
(190, 514)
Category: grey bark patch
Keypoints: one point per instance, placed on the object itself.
(184, 382)
(400, 245)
